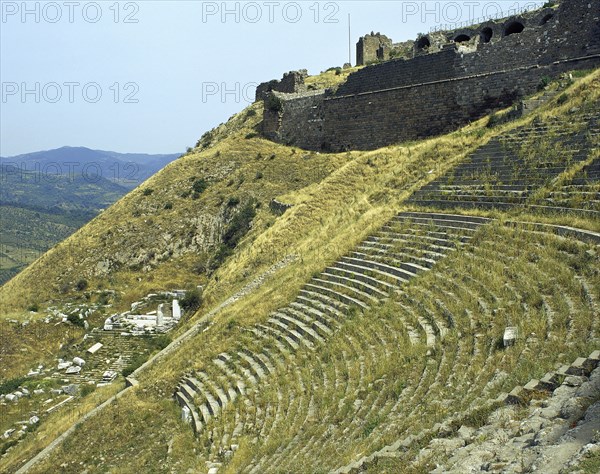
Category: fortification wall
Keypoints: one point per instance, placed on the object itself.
(400, 73)
(298, 121)
(438, 92)
(373, 120)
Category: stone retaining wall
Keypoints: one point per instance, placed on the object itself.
(438, 92)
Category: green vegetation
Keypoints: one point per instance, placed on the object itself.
(191, 301)
(11, 385)
(75, 320)
(274, 103)
(235, 231)
(135, 363)
(200, 185)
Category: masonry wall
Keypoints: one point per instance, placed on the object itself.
(299, 123)
(400, 73)
(436, 93)
(374, 120)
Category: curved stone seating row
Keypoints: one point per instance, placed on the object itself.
(356, 281)
(314, 381)
(508, 170)
(377, 460)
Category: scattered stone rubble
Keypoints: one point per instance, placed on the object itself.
(163, 319)
(69, 374)
(547, 426)
(534, 432)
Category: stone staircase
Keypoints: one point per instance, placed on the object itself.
(325, 345)
(507, 172)
(408, 245)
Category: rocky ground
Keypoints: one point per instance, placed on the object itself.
(548, 435)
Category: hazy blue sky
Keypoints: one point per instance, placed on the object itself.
(148, 76)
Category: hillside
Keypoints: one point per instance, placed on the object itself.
(368, 318)
(127, 169)
(164, 234)
(46, 196)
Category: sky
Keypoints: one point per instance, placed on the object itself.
(153, 76)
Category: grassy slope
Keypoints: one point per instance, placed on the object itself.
(151, 247)
(329, 217)
(38, 212)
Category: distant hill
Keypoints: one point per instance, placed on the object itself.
(47, 195)
(127, 169)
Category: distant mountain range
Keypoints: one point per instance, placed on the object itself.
(45, 196)
(126, 169)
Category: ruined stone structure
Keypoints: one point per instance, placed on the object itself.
(455, 77)
(291, 83)
(373, 47)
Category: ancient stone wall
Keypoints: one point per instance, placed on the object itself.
(474, 74)
(299, 116)
(291, 83)
(373, 47)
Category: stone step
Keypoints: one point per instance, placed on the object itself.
(323, 304)
(560, 194)
(266, 359)
(397, 258)
(236, 381)
(508, 188)
(525, 182)
(478, 190)
(195, 418)
(503, 175)
(401, 273)
(278, 339)
(459, 204)
(528, 177)
(418, 242)
(511, 165)
(354, 281)
(581, 366)
(431, 233)
(296, 325)
(549, 382)
(370, 275)
(286, 332)
(407, 251)
(255, 366)
(444, 219)
(400, 242)
(460, 197)
(203, 393)
(428, 238)
(591, 213)
(201, 409)
(312, 320)
(318, 316)
(222, 394)
(474, 191)
(563, 205)
(320, 286)
(346, 287)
